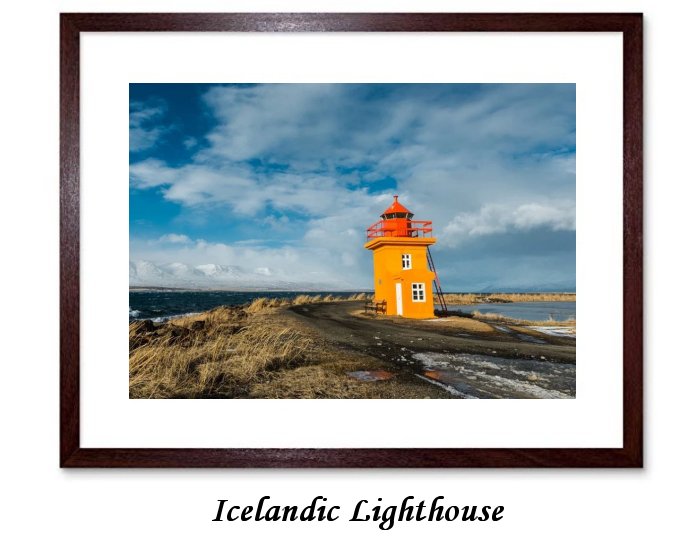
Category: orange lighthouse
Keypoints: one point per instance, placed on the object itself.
(403, 268)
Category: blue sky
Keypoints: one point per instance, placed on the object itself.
(281, 180)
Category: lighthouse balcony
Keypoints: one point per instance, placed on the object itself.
(404, 229)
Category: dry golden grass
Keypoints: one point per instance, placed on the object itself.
(478, 298)
(466, 324)
(263, 303)
(212, 318)
(221, 353)
(301, 299)
(489, 316)
(220, 357)
(309, 382)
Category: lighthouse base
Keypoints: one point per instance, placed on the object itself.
(401, 276)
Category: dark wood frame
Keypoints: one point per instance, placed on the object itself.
(72, 24)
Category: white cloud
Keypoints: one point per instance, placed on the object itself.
(500, 219)
(175, 239)
(247, 193)
(302, 159)
(211, 264)
(144, 125)
(445, 150)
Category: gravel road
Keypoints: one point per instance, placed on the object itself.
(469, 362)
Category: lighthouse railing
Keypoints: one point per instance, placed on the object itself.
(390, 227)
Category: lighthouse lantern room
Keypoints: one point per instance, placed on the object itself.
(403, 269)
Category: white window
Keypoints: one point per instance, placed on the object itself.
(418, 292)
(406, 261)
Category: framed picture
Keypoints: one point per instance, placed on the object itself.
(354, 240)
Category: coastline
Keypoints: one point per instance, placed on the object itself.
(494, 297)
(305, 348)
(164, 304)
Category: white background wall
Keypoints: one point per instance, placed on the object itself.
(42, 502)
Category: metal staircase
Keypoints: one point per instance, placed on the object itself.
(436, 283)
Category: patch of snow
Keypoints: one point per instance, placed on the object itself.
(446, 387)
(444, 360)
(568, 332)
(477, 371)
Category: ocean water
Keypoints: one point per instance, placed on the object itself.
(161, 305)
(531, 311)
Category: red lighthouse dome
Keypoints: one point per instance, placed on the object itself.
(397, 220)
(396, 210)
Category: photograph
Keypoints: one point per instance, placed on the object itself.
(352, 241)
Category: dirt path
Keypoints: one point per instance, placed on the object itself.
(465, 357)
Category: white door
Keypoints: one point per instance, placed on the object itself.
(399, 300)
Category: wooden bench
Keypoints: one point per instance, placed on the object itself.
(376, 307)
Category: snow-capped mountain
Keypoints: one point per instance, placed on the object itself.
(214, 276)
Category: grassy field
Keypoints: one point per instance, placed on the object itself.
(252, 351)
(480, 298)
(498, 318)
(266, 350)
